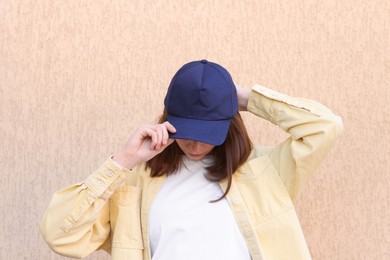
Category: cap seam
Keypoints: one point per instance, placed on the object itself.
(204, 66)
(227, 81)
(176, 76)
(200, 119)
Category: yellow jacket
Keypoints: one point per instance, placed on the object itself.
(110, 209)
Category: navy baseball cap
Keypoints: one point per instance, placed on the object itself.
(201, 101)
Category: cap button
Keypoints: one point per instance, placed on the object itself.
(204, 61)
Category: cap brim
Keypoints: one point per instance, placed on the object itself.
(210, 132)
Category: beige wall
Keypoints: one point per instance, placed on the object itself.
(76, 77)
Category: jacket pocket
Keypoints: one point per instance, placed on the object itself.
(279, 231)
(265, 196)
(125, 220)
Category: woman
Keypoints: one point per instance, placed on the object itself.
(192, 186)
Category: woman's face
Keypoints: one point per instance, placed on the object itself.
(194, 150)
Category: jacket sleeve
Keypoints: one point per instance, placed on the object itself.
(76, 222)
(312, 127)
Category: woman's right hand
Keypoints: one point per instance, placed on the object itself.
(145, 143)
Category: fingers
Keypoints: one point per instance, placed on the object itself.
(149, 133)
(163, 134)
(158, 134)
(169, 128)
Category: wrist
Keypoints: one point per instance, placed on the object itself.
(125, 161)
(243, 97)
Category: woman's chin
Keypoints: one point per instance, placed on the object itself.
(195, 157)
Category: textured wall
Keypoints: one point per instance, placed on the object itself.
(76, 77)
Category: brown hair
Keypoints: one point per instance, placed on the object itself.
(228, 157)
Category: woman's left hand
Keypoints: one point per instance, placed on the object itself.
(243, 97)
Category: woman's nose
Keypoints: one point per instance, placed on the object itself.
(195, 146)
